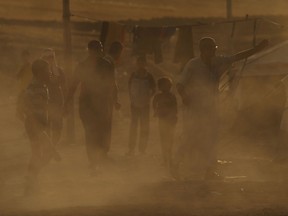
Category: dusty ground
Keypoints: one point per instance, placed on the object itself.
(253, 185)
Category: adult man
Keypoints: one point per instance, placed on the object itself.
(97, 79)
(198, 88)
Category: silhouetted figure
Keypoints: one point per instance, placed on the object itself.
(141, 89)
(96, 101)
(34, 111)
(57, 90)
(165, 109)
(198, 87)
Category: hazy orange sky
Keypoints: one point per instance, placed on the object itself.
(136, 9)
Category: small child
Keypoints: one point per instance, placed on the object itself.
(141, 89)
(165, 108)
(33, 104)
(57, 90)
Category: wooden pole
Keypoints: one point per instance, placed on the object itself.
(229, 9)
(70, 122)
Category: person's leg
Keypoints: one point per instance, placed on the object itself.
(102, 136)
(133, 129)
(56, 124)
(107, 129)
(188, 141)
(35, 162)
(169, 142)
(144, 129)
(56, 120)
(208, 148)
(180, 153)
(87, 118)
(163, 132)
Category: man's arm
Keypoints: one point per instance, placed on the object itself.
(154, 102)
(71, 91)
(182, 92)
(175, 106)
(116, 102)
(152, 84)
(246, 53)
(184, 79)
(130, 83)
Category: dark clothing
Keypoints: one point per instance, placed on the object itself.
(111, 32)
(148, 40)
(96, 105)
(34, 105)
(97, 126)
(166, 132)
(165, 108)
(97, 80)
(184, 46)
(141, 89)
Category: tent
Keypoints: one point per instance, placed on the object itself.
(260, 93)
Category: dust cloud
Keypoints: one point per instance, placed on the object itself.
(254, 183)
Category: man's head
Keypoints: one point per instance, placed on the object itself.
(208, 47)
(40, 70)
(115, 50)
(95, 48)
(164, 84)
(49, 55)
(141, 61)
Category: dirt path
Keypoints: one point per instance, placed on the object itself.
(135, 185)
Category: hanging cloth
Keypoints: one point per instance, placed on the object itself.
(111, 32)
(148, 40)
(184, 47)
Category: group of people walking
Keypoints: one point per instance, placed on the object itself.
(45, 100)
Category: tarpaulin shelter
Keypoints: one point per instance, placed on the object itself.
(260, 94)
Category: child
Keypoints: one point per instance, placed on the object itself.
(33, 104)
(165, 108)
(141, 90)
(57, 91)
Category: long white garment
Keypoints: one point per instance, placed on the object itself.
(200, 118)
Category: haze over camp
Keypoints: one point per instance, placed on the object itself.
(121, 107)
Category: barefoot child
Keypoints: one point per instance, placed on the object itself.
(33, 104)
